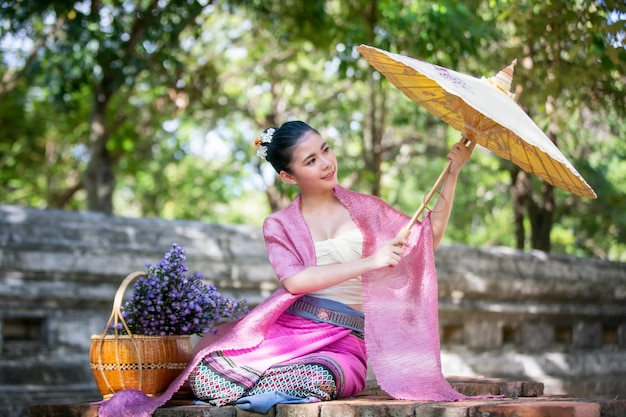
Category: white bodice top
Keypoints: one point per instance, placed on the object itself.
(346, 247)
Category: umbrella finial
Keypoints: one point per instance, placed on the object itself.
(504, 78)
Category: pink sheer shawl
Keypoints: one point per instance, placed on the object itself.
(400, 306)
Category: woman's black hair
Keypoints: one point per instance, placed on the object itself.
(280, 149)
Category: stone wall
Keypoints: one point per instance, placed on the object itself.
(559, 320)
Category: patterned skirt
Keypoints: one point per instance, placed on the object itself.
(300, 357)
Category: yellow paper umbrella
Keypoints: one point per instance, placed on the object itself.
(484, 111)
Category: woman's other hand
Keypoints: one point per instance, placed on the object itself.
(459, 155)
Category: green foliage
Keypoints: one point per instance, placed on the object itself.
(597, 227)
(189, 85)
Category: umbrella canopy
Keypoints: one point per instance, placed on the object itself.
(484, 111)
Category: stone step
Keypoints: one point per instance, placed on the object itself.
(521, 399)
(378, 407)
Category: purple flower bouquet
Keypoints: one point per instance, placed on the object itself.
(167, 302)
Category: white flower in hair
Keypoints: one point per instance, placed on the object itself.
(262, 141)
(266, 137)
(262, 152)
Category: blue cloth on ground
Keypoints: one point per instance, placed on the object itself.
(261, 403)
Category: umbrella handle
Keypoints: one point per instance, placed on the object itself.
(406, 230)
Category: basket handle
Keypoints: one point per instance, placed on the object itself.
(115, 318)
(116, 313)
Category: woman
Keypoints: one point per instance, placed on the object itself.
(315, 247)
(351, 284)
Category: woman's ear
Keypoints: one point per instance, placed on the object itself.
(287, 177)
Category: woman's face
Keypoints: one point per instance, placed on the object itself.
(313, 166)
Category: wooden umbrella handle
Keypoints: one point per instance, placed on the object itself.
(406, 230)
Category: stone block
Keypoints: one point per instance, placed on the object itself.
(544, 407)
(64, 410)
(587, 335)
(366, 408)
(299, 410)
(200, 411)
(613, 408)
(536, 336)
(621, 336)
(453, 409)
(483, 334)
(496, 386)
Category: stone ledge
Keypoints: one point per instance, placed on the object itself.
(521, 399)
(382, 407)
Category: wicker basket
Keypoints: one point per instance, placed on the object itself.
(146, 363)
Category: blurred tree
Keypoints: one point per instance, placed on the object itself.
(182, 93)
(571, 60)
(106, 48)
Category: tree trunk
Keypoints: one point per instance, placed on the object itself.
(99, 177)
(541, 219)
(377, 125)
(540, 211)
(377, 109)
(539, 208)
(519, 195)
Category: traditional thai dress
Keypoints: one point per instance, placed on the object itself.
(314, 351)
(400, 306)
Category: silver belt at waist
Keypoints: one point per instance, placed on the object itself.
(303, 308)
